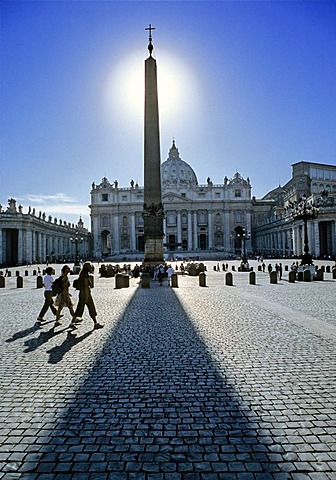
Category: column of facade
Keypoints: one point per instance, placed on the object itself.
(133, 239)
(39, 246)
(179, 229)
(29, 246)
(227, 237)
(283, 240)
(165, 239)
(43, 247)
(210, 229)
(116, 234)
(195, 231)
(190, 236)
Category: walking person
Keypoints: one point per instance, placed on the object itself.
(48, 295)
(85, 297)
(63, 298)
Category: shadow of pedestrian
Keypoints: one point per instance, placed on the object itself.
(23, 333)
(44, 337)
(58, 352)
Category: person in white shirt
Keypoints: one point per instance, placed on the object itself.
(170, 272)
(48, 295)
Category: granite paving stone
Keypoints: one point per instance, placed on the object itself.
(187, 383)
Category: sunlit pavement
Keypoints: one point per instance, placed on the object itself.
(187, 383)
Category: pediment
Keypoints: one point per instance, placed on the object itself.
(173, 197)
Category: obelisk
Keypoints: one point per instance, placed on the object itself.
(152, 209)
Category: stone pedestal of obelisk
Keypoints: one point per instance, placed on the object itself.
(153, 209)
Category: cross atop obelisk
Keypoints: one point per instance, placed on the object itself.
(150, 44)
(152, 209)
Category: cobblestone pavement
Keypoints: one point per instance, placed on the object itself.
(190, 383)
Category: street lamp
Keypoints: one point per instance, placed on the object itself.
(76, 240)
(243, 235)
(304, 210)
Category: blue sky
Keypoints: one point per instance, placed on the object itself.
(244, 86)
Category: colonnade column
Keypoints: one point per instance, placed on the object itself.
(227, 237)
(1, 252)
(20, 247)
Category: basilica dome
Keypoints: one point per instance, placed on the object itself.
(175, 172)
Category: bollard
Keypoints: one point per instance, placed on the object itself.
(291, 276)
(119, 280)
(319, 275)
(214, 267)
(174, 280)
(306, 276)
(328, 270)
(286, 268)
(202, 279)
(252, 278)
(19, 282)
(274, 277)
(323, 268)
(9, 273)
(39, 282)
(126, 281)
(2, 282)
(26, 273)
(233, 268)
(259, 268)
(17, 273)
(229, 279)
(34, 272)
(145, 280)
(334, 274)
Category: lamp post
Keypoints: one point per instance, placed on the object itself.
(76, 240)
(243, 235)
(304, 210)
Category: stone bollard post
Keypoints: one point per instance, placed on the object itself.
(174, 280)
(286, 268)
(323, 268)
(19, 282)
(26, 273)
(273, 277)
(233, 268)
(306, 276)
(252, 278)
(291, 277)
(34, 272)
(259, 268)
(9, 274)
(202, 279)
(2, 282)
(17, 273)
(126, 281)
(319, 275)
(334, 274)
(145, 280)
(119, 280)
(39, 282)
(328, 269)
(229, 279)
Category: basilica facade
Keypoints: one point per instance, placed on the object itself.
(198, 218)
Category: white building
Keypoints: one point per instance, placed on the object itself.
(198, 218)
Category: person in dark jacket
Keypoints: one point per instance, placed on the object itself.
(85, 297)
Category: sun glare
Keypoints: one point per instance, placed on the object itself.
(176, 88)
